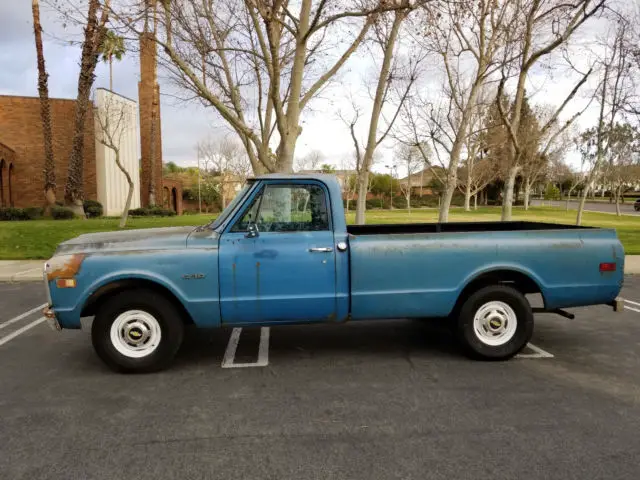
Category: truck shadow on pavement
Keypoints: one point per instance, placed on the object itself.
(349, 343)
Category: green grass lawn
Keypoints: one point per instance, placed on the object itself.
(38, 239)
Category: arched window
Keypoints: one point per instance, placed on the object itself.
(10, 185)
(2, 163)
(174, 199)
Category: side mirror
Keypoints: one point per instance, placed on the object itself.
(252, 231)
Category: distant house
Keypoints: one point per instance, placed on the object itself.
(422, 181)
(341, 175)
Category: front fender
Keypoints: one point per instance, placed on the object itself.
(172, 271)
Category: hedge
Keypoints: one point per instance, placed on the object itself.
(151, 212)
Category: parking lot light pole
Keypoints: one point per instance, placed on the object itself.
(391, 167)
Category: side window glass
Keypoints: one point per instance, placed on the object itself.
(250, 215)
(287, 208)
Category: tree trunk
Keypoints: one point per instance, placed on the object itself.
(507, 195)
(568, 201)
(475, 201)
(408, 187)
(363, 174)
(467, 197)
(110, 73)
(45, 114)
(454, 160)
(361, 202)
(93, 38)
(583, 198)
(127, 205)
(618, 212)
(527, 194)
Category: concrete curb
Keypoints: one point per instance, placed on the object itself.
(18, 271)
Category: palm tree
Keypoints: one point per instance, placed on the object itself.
(113, 46)
(45, 114)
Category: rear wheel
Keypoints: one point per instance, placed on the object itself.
(137, 331)
(495, 323)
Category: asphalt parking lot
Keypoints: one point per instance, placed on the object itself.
(361, 401)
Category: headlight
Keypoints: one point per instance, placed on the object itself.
(63, 268)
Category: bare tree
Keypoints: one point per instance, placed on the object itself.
(310, 161)
(387, 30)
(468, 37)
(546, 148)
(45, 114)
(94, 34)
(612, 93)
(548, 24)
(113, 118)
(259, 63)
(477, 171)
(226, 160)
(624, 147)
(411, 159)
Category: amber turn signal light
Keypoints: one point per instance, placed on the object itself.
(66, 283)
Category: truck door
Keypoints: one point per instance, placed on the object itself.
(277, 257)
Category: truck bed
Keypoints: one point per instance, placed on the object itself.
(408, 228)
(420, 270)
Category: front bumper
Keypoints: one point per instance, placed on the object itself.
(48, 312)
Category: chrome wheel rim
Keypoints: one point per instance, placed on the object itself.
(135, 333)
(495, 323)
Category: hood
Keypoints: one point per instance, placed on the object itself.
(144, 239)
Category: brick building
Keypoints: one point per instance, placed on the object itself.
(22, 150)
(22, 147)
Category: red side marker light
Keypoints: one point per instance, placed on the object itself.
(608, 267)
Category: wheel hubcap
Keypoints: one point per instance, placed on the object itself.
(135, 333)
(495, 323)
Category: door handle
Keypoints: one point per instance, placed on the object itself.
(321, 249)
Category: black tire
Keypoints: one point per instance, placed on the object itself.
(473, 345)
(167, 316)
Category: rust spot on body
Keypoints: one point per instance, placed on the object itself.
(68, 269)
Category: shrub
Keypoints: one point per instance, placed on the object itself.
(92, 208)
(10, 214)
(161, 212)
(33, 213)
(375, 203)
(139, 212)
(154, 211)
(61, 213)
(551, 192)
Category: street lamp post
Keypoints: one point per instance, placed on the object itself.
(391, 167)
(199, 182)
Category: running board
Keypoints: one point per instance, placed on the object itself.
(557, 311)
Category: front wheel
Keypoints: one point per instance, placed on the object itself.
(137, 331)
(495, 323)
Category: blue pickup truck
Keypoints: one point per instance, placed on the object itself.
(282, 253)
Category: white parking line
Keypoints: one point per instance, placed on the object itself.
(631, 302)
(232, 346)
(632, 309)
(13, 335)
(21, 316)
(539, 353)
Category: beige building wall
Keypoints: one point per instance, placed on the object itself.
(112, 185)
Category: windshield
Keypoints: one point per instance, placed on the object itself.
(232, 205)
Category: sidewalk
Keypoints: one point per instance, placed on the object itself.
(21, 270)
(31, 270)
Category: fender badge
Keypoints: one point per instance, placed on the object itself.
(193, 276)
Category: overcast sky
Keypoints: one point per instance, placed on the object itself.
(184, 124)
